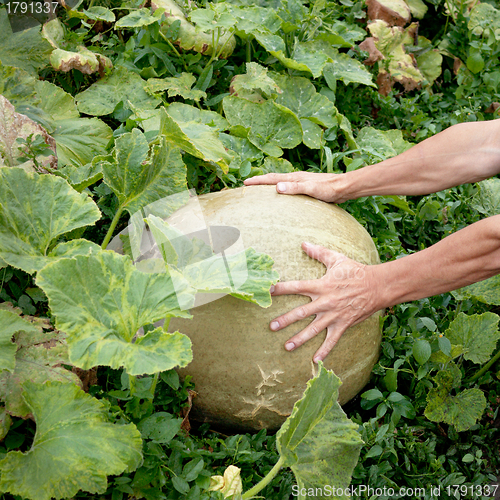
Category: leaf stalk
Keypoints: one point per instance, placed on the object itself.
(264, 481)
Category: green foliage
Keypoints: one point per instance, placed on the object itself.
(64, 457)
(204, 95)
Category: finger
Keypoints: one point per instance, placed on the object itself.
(298, 186)
(316, 326)
(269, 179)
(305, 287)
(333, 334)
(296, 314)
(322, 254)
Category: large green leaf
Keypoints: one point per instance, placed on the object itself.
(254, 84)
(318, 441)
(477, 333)
(34, 211)
(462, 411)
(255, 18)
(140, 177)
(178, 85)
(247, 275)
(41, 356)
(11, 323)
(382, 144)
(189, 38)
(76, 139)
(300, 96)
(136, 19)
(487, 200)
(14, 126)
(105, 313)
(17, 85)
(75, 446)
(348, 70)
(122, 84)
(24, 49)
(271, 125)
(487, 291)
(197, 139)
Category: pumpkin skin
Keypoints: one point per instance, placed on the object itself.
(244, 377)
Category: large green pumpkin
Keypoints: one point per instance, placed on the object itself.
(244, 377)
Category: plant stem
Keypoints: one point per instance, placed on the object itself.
(165, 325)
(486, 367)
(112, 227)
(153, 385)
(176, 52)
(249, 50)
(264, 481)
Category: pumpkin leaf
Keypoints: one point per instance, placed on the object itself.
(64, 458)
(348, 70)
(24, 49)
(189, 38)
(462, 411)
(487, 291)
(26, 239)
(14, 126)
(136, 19)
(477, 334)
(17, 85)
(318, 441)
(487, 200)
(300, 96)
(139, 176)
(271, 125)
(247, 275)
(11, 324)
(255, 79)
(105, 314)
(40, 356)
(100, 14)
(5, 423)
(197, 139)
(177, 85)
(102, 97)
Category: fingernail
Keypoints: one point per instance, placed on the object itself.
(317, 360)
(307, 244)
(289, 346)
(275, 325)
(271, 290)
(281, 187)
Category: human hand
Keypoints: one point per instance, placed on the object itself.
(325, 187)
(343, 297)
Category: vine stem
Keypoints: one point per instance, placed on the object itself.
(264, 481)
(112, 228)
(486, 367)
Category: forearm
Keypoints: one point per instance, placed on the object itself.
(467, 256)
(468, 152)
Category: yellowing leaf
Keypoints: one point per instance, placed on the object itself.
(34, 211)
(41, 356)
(229, 485)
(139, 176)
(15, 125)
(318, 441)
(75, 447)
(477, 334)
(106, 312)
(462, 411)
(179, 85)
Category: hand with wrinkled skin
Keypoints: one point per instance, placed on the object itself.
(324, 187)
(341, 298)
(463, 153)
